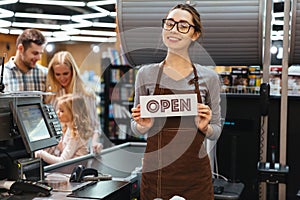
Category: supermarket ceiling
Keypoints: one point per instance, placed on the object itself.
(89, 21)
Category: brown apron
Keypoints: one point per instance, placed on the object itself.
(175, 160)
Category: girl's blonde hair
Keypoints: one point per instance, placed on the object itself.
(80, 115)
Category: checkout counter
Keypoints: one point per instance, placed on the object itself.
(29, 125)
(20, 115)
(123, 163)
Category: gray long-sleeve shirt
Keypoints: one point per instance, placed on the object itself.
(209, 86)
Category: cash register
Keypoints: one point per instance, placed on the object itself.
(27, 125)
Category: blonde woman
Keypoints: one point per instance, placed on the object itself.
(64, 78)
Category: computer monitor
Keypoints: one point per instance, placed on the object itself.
(33, 126)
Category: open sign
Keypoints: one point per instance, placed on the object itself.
(168, 105)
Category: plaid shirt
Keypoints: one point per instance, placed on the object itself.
(15, 80)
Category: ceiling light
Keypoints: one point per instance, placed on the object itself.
(93, 39)
(99, 9)
(49, 48)
(98, 33)
(70, 27)
(101, 3)
(277, 22)
(47, 33)
(5, 23)
(89, 16)
(42, 16)
(61, 3)
(4, 30)
(6, 13)
(280, 53)
(102, 10)
(96, 48)
(113, 14)
(4, 2)
(104, 24)
(279, 14)
(56, 39)
(276, 37)
(15, 31)
(33, 25)
(83, 24)
(81, 20)
(66, 32)
(273, 50)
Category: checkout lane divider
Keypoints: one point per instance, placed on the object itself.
(91, 155)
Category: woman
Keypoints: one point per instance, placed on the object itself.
(64, 78)
(73, 112)
(175, 160)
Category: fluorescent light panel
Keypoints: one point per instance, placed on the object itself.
(34, 25)
(15, 31)
(276, 37)
(104, 24)
(58, 39)
(276, 22)
(89, 16)
(5, 23)
(47, 33)
(101, 3)
(103, 10)
(74, 26)
(280, 53)
(4, 30)
(42, 16)
(6, 13)
(5, 2)
(279, 14)
(98, 33)
(93, 39)
(113, 14)
(67, 32)
(61, 3)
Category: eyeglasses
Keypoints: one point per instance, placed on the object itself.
(182, 27)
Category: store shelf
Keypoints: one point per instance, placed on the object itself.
(116, 103)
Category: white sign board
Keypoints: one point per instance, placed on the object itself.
(168, 105)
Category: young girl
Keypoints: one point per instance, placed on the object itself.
(73, 113)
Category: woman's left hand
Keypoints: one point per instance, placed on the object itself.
(203, 118)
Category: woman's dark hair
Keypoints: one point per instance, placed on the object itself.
(194, 13)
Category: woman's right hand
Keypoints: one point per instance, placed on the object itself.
(145, 123)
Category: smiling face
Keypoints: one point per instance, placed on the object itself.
(27, 58)
(175, 40)
(63, 74)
